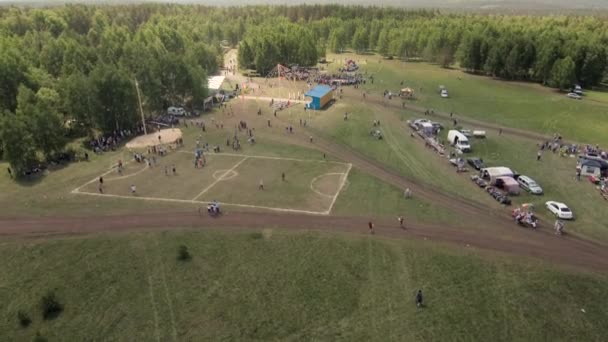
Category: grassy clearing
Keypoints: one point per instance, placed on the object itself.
(271, 285)
(512, 104)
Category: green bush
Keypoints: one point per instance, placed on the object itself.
(51, 307)
(24, 319)
(39, 338)
(183, 254)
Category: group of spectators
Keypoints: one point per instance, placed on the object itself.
(340, 79)
(110, 142)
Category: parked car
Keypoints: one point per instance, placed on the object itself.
(529, 185)
(467, 132)
(578, 89)
(476, 163)
(560, 210)
(444, 93)
(574, 96)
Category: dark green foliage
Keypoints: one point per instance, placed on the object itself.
(40, 338)
(183, 254)
(50, 306)
(24, 319)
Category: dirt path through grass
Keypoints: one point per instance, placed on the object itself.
(565, 250)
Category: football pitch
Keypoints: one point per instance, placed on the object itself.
(309, 186)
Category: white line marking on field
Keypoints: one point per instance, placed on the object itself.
(151, 291)
(339, 189)
(220, 178)
(286, 210)
(153, 302)
(323, 175)
(169, 301)
(127, 176)
(273, 158)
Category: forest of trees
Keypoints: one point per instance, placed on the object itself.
(81, 63)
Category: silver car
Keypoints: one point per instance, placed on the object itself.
(529, 185)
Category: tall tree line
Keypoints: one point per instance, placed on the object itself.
(80, 62)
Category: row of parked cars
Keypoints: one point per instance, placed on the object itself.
(508, 181)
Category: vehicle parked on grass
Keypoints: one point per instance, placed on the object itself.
(476, 163)
(560, 210)
(529, 185)
(492, 173)
(578, 90)
(467, 132)
(574, 96)
(444, 93)
(459, 140)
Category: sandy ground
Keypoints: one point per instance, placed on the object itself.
(167, 136)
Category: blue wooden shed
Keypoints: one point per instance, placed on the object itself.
(320, 96)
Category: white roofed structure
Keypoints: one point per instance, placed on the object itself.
(215, 82)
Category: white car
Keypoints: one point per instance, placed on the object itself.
(560, 210)
(574, 96)
(529, 185)
(444, 93)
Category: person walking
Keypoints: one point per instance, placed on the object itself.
(538, 155)
(133, 189)
(400, 219)
(174, 170)
(10, 172)
(370, 224)
(261, 186)
(283, 176)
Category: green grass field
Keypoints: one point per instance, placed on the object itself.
(272, 285)
(512, 104)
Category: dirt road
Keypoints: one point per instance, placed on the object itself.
(565, 250)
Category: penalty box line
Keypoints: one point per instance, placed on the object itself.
(219, 178)
(333, 201)
(273, 158)
(160, 199)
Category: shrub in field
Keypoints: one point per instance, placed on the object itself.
(50, 306)
(24, 319)
(183, 254)
(256, 236)
(39, 338)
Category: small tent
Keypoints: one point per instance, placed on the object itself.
(508, 184)
(491, 173)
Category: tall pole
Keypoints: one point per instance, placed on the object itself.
(141, 109)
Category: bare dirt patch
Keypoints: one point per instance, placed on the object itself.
(167, 136)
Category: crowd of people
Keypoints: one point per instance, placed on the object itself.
(340, 79)
(110, 142)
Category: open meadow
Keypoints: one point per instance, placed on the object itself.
(275, 285)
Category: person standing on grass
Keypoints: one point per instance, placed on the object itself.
(370, 225)
(419, 299)
(283, 176)
(500, 131)
(174, 170)
(538, 155)
(400, 219)
(261, 186)
(10, 172)
(133, 189)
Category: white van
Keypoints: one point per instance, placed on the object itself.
(177, 111)
(459, 140)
